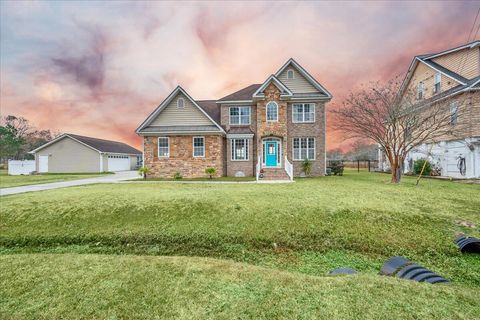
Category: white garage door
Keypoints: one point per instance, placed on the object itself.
(118, 163)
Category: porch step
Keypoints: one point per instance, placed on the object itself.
(275, 174)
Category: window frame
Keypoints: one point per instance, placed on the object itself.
(266, 111)
(233, 149)
(168, 147)
(240, 115)
(307, 148)
(203, 146)
(420, 89)
(183, 103)
(303, 112)
(454, 114)
(293, 74)
(438, 76)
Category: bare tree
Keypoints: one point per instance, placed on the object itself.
(397, 123)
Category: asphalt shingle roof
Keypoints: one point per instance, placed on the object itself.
(211, 108)
(105, 145)
(242, 94)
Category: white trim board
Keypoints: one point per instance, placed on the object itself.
(65, 135)
(304, 73)
(165, 102)
(277, 83)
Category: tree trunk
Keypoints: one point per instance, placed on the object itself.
(397, 168)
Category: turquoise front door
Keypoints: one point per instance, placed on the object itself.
(271, 154)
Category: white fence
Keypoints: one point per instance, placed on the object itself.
(19, 167)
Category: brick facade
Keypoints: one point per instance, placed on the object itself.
(246, 167)
(181, 157)
(309, 130)
(277, 129)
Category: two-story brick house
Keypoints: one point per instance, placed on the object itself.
(269, 128)
(452, 78)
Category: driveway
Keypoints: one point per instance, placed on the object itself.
(110, 178)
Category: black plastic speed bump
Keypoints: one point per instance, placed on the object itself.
(392, 265)
(342, 271)
(468, 244)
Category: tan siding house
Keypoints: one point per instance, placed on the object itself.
(450, 77)
(70, 153)
(264, 130)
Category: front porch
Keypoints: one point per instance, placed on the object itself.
(272, 164)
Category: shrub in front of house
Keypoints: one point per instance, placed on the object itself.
(210, 171)
(143, 171)
(307, 167)
(418, 166)
(177, 176)
(337, 167)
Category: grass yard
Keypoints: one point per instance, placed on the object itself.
(7, 181)
(272, 247)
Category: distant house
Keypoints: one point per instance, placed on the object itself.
(75, 153)
(453, 77)
(269, 127)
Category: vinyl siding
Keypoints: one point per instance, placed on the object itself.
(464, 62)
(299, 84)
(67, 155)
(190, 115)
(426, 74)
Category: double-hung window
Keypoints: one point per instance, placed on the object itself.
(438, 82)
(303, 148)
(239, 149)
(199, 146)
(163, 147)
(454, 113)
(239, 115)
(420, 90)
(272, 111)
(303, 112)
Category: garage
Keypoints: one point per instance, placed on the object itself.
(73, 153)
(118, 163)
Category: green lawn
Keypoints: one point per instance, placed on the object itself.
(7, 181)
(288, 235)
(139, 287)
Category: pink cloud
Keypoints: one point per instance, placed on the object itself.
(99, 70)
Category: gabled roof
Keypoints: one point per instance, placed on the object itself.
(304, 73)
(470, 45)
(100, 145)
(168, 99)
(427, 60)
(452, 75)
(284, 91)
(211, 108)
(244, 94)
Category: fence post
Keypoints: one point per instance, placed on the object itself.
(368, 165)
(358, 165)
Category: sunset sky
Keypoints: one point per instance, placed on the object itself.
(99, 68)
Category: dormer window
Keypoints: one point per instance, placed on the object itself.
(290, 74)
(180, 103)
(420, 90)
(438, 82)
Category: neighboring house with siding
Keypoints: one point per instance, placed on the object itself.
(450, 77)
(75, 153)
(269, 127)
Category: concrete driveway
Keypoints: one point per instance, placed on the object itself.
(110, 178)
